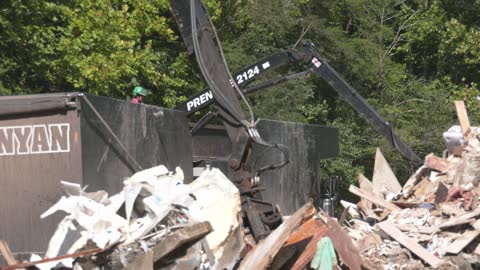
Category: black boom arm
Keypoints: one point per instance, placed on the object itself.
(316, 65)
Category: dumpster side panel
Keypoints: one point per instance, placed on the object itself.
(291, 186)
(37, 151)
(151, 135)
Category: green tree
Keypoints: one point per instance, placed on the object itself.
(93, 46)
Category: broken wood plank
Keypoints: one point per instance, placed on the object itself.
(6, 253)
(461, 242)
(463, 219)
(73, 255)
(413, 180)
(367, 186)
(372, 198)
(384, 180)
(190, 233)
(437, 163)
(463, 118)
(456, 223)
(409, 243)
(176, 239)
(261, 256)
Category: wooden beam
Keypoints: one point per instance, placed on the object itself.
(262, 255)
(409, 243)
(461, 242)
(372, 198)
(463, 219)
(366, 185)
(191, 233)
(6, 253)
(463, 118)
(456, 223)
(180, 237)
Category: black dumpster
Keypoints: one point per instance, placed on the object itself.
(95, 141)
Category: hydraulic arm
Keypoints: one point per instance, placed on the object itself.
(315, 65)
(198, 33)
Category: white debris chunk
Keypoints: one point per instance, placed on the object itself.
(150, 197)
(218, 201)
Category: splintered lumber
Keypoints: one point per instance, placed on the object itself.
(384, 180)
(261, 256)
(409, 243)
(437, 163)
(6, 253)
(463, 118)
(373, 199)
(463, 219)
(180, 237)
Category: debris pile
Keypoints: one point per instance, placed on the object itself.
(433, 221)
(158, 222)
(154, 215)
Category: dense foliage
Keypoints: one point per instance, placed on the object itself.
(409, 58)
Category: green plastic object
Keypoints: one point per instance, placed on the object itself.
(139, 91)
(325, 257)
